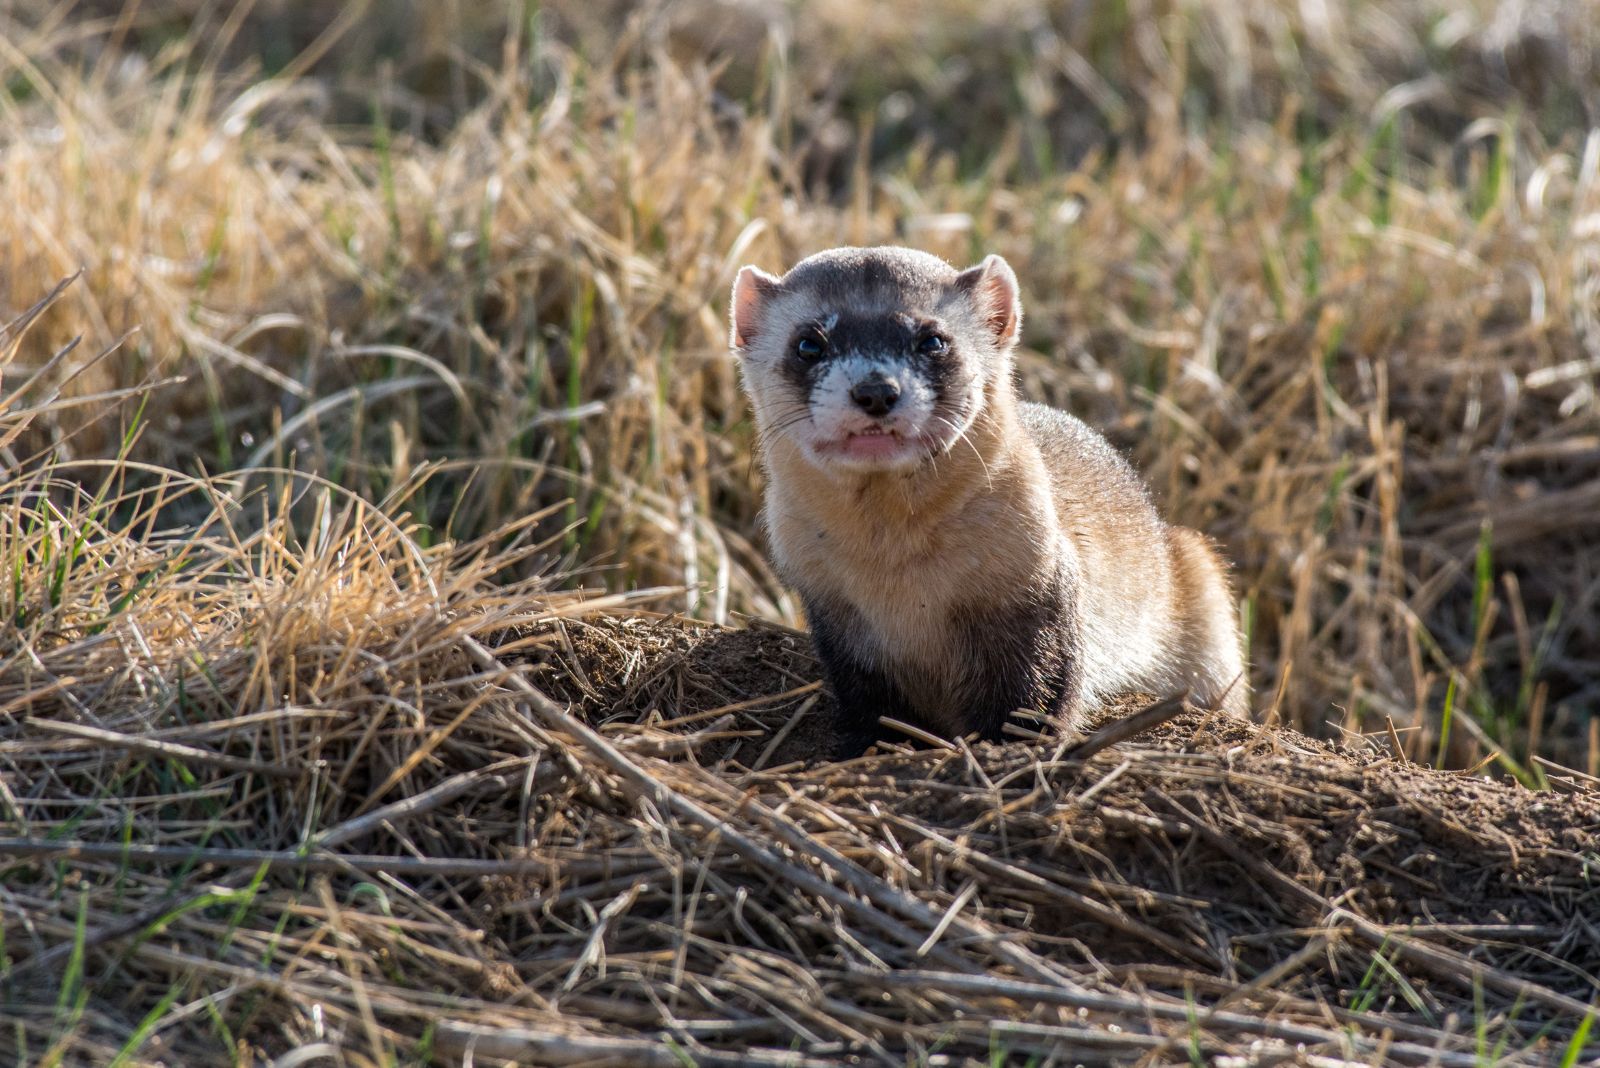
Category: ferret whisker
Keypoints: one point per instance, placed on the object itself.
(964, 434)
(770, 432)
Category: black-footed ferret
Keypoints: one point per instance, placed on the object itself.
(961, 554)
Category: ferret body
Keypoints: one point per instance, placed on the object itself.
(961, 554)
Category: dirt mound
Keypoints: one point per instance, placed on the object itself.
(752, 696)
(620, 842)
(1216, 880)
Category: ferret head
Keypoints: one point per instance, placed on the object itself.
(873, 359)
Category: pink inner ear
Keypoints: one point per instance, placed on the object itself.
(1000, 305)
(996, 294)
(992, 288)
(750, 292)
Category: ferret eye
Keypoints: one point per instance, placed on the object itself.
(932, 345)
(808, 348)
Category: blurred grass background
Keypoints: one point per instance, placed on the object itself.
(1330, 271)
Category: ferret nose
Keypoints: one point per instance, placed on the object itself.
(876, 395)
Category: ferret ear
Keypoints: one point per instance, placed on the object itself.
(751, 291)
(992, 287)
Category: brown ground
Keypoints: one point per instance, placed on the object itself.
(1203, 855)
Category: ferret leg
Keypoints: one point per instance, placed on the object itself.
(1023, 656)
(861, 694)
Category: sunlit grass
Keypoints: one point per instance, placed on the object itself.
(387, 333)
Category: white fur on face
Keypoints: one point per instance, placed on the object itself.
(925, 424)
(835, 416)
(822, 423)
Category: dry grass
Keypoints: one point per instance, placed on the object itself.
(393, 331)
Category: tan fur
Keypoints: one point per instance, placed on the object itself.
(978, 520)
(1025, 493)
(1159, 616)
(1205, 650)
